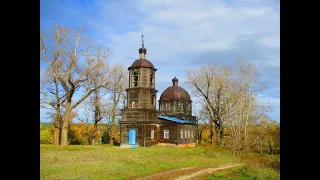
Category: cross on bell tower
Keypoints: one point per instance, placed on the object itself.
(142, 40)
(142, 50)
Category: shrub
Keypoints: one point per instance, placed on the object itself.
(45, 136)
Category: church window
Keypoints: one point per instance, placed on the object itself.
(135, 79)
(151, 80)
(133, 105)
(152, 134)
(185, 134)
(188, 133)
(166, 134)
(180, 105)
(181, 132)
(192, 134)
(167, 106)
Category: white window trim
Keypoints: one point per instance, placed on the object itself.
(185, 134)
(188, 133)
(181, 132)
(192, 134)
(165, 132)
(152, 134)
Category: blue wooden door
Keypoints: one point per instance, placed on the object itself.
(132, 136)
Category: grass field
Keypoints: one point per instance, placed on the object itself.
(112, 162)
(246, 173)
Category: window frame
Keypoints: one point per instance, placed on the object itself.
(135, 82)
(152, 134)
(165, 132)
(180, 105)
(181, 133)
(133, 104)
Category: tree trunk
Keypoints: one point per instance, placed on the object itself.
(97, 116)
(64, 133)
(222, 137)
(56, 136)
(200, 136)
(60, 132)
(113, 116)
(246, 121)
(65, 124)
(113, 119)
(218, 136)
(219, 127)
(211, 133)
(94, 135)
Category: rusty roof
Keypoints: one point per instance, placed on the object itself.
(140, 63)
(175, 92)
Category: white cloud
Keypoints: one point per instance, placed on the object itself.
(272, 41)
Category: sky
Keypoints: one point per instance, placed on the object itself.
(180, 34)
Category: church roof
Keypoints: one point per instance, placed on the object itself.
(175, 92)
(141, 63)
(174, 119)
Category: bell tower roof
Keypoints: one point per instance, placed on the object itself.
(142, 62)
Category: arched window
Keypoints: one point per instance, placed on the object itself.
(135, 79)
(151, 79)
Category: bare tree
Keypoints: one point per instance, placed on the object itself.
(118, 86)
(98, 106)
(74, 63)
(211, 83)
(52, 98)
(248, 109)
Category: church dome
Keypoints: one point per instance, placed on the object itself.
(141, 63)
(175, 92)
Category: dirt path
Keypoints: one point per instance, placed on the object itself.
(194, 173)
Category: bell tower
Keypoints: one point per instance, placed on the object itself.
(141, 93)
(141, 97)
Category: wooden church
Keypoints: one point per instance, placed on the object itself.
(143, 125)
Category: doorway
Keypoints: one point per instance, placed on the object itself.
(132, 136)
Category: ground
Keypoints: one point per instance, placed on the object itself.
(194, 173)
(112, 162)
